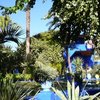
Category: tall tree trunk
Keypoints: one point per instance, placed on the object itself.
(27, 31)
(27, 36)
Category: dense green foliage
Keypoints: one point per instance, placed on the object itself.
(5, 57)
(45, 55)
(49, 46)
(9, 31)
(13, 91)
(76, 16)
(9, 60)
(44, 62)
(72, 18)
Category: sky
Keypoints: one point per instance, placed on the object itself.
(37, 24)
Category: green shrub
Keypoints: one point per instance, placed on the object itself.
(17, 77)
(13, 91)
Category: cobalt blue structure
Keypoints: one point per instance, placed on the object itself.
(81, 49)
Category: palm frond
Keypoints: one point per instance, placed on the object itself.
(11, 32)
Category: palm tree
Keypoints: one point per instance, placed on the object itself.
(9, 31)
(27, 29)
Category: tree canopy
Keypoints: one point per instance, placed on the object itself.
(45, 54)
(45, 48)
(19, 5)
(76, 16)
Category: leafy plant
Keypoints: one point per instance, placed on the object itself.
(44, 72)
(75, 16)
(78, 64)
(12, 91)
(96, 70)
